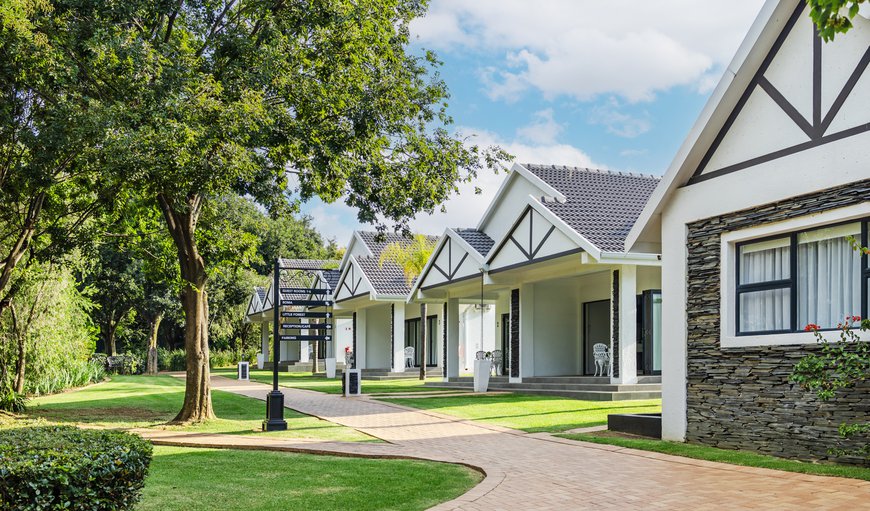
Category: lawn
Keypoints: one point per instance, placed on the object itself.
(332, 386)
(701, 452)
(150, 401)
(206, 479)
(530, 413)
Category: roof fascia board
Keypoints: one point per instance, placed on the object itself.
(717, 108)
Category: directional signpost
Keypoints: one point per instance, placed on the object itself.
(313, 297)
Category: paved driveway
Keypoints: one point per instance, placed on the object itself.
(541, 472)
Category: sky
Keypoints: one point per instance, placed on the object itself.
(611, 85)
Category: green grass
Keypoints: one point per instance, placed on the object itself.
(332, 386)
(530, 413)
(748, 459)
(151, 401)
(206, 479)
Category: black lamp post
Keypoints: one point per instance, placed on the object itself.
(275, 399)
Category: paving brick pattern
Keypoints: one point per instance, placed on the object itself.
(541, 472)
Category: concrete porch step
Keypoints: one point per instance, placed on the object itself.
(586, 395)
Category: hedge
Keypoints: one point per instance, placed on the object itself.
(63, 467)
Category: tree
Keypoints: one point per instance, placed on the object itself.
(51, 123)
(222, 98)
(833, 17)
(411, 257)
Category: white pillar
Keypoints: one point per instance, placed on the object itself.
(360, 354)
(452, 341)
(303, 348)
(264, 340)
(527, 331)
(627, 286)
(398, 337)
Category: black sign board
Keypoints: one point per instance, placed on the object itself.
(308, 303)
(305, 337)
(303, 291)
(304, 314)
(307, 326)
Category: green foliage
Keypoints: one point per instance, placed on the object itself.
(67, 374)
(11, 401)
(839, 366)
(833, 17)
(411, 256)
(61, 467)
(170, 360)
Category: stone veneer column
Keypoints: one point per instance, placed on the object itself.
(398, 337)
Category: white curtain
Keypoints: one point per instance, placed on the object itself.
(769, 310)
(829, 276)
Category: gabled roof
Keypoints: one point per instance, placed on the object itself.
(308, 264)
(478, 240)
(749, 59)
(331, 278)
(599, 205)
(387, 280)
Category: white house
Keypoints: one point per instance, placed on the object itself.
(750, 220)
(374, 298)
(548, 259)
(297, 354)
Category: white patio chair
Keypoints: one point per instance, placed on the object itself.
(480, 355)
(409, 356)
(497, 361)
(602, 358)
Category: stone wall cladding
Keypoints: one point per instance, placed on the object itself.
(614, 328)
(515, 333)
(741, 398)
(444, 341)
(392, 336)
(353, 340)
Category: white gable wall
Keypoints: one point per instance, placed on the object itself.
(824, 166)
(509, 206)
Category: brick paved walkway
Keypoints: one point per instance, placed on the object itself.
(542, 472)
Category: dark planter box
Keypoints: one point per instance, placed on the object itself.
(642, 424)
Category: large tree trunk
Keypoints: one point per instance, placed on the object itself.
(109, 338)
(182, 226)
(424, 341)
(151, 364)
(21, 358)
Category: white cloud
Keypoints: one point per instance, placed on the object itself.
(465, 209)
(586, 48)
(617, 122)
(544, 130)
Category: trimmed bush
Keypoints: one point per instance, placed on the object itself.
(62, 467)
(171, 360)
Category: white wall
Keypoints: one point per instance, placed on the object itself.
(377, 350)
(557, 329)
(509, 207)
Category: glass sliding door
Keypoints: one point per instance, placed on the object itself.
(596, 329)
(431, 344)
(412, 337)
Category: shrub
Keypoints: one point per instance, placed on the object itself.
(62, 467)
(11, 401)
(72, 373)
(171, 360)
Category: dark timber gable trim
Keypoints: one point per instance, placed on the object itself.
(815, 129)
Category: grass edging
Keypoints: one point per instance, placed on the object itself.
(733, 457)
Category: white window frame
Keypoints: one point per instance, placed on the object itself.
(728, 275)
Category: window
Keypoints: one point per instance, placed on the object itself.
(812, 276)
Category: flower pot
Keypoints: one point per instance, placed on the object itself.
(261, 360)
(482, 368)
(330, 368)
